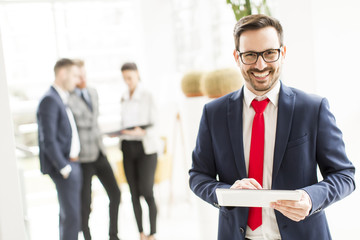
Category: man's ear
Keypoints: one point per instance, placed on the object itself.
(236, 56)
(62, 73)
(283, 53)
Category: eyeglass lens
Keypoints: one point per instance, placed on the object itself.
(270, 55)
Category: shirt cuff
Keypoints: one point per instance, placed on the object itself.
(65, 171)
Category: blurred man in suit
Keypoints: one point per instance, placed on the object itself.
(270, 136)
(59, 146)
(84, 104)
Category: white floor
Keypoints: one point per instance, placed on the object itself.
(171, 221)
(176, 211)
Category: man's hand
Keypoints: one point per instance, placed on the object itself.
(74, 159)
(65, 171)
(246, 183)
(295, 210)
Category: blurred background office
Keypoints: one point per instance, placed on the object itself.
(168, 39)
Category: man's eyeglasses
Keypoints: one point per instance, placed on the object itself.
(269, 56)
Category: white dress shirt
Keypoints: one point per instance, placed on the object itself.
(138, 110)
(269, 229)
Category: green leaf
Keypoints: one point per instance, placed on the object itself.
(267, 10)
(248, 7)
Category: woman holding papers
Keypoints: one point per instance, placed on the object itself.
(139, 145)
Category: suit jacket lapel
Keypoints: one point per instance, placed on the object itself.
(284, 122)
(57, 96)
(94, 100)
(62, 105)
(235, 111)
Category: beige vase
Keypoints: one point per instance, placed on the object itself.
(221, 82)
(190, 84)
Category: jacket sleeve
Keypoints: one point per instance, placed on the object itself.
(48, 131)
(203, 172)
(336, 169)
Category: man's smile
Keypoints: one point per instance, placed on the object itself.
(261, 75)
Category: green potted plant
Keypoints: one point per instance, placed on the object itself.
(242, 8)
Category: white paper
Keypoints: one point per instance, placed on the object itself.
(254, 198)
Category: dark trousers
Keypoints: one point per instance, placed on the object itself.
(68, 192)
(102, 169)
(140, 171)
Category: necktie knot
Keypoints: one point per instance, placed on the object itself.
(259, 106)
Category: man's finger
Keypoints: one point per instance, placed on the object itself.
(294, 211)
(255, 183)
(246, 183)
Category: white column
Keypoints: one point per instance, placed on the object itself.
(156, 63)
(207, 215)
(11, 209)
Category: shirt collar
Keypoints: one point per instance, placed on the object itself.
(84, 91)
(273, 95)
(64, 95)
(77, 91)
(136, 94)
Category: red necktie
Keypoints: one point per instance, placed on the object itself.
(256, 162)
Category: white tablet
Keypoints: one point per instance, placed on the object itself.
(253, 198)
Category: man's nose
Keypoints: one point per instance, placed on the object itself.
(260, 63)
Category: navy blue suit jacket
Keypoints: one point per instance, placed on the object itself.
(306, 138)
(54, 133)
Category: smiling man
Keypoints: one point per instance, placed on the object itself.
(270, 136)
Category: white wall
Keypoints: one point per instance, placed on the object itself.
(11, 211)
(157, 44)
(336, 40)
(296, 19)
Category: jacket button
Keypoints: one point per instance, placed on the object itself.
(242, 230)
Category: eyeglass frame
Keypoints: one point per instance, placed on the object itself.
(260, 54)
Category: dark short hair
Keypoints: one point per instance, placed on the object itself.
(129, 66)
(254, 22)
(63, 63)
